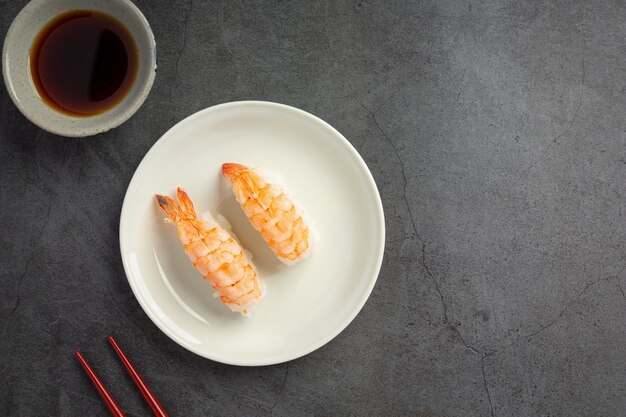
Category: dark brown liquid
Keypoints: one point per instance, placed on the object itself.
(83, 62)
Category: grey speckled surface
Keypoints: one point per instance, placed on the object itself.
(496, 133)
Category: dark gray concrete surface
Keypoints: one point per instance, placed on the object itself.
(496, 133)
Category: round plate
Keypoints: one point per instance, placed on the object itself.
(306, 305)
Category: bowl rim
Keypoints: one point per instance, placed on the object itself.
(84, 131)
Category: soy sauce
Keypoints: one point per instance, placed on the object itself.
(83, 62)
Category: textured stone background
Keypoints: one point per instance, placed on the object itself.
(496, 134)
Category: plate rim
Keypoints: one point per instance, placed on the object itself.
(145, 306)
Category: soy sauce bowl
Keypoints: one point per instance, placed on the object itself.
(18, 78)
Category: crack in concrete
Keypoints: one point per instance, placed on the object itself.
(400, 239)
(282, 388)
(530, 335)
(476, 16)
(180, 52)
(446, 320)
(567, 128)
(552, 322)
(18, 298)
(621, 289)
(482, 367)
(430, 274)
(484, 355)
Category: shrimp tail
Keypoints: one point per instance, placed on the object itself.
(230, 170)
(169, 206)
(185, 204)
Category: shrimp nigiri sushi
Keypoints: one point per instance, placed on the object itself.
(215, 254)
(281, 222)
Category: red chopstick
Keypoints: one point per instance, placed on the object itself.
(102, 390)
(157, 408)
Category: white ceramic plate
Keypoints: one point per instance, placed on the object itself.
(306, 305)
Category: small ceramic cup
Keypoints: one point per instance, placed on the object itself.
(21, 88)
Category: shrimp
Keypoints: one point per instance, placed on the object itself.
(215, 254)
(272, 213)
